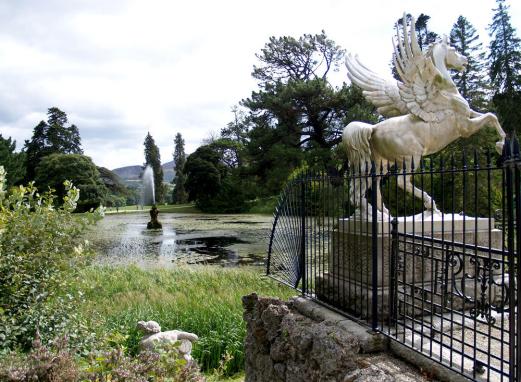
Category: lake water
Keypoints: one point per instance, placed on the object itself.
(225, 240)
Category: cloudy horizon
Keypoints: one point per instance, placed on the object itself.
(120, 69)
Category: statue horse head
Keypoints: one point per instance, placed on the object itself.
(446, 57)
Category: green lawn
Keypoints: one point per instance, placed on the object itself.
(176, 208)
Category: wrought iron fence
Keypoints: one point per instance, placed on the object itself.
(441, 278)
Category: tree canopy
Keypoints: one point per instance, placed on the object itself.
(54, 169)
(51, 137)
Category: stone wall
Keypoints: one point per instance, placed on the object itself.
(300, 340)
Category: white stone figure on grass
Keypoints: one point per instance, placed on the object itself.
(154, 338)
(425, 112)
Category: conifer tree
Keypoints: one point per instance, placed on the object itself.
(153, 159)
(51, 137)
(179, 194)
(505, 67)
(471, 83)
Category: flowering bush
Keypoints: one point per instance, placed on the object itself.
(40, 252)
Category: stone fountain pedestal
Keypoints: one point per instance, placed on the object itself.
(423, 266)
(154, 223)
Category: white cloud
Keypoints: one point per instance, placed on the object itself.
(122, 68)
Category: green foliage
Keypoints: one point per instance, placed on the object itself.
(12, 161)
(54, 169)
(179, 195)
(153, 159)
(117, 193)
(508, 109)
(211, 179)
(51, 137)
(57, 363)
(40, 253)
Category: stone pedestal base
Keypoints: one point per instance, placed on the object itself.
(429, 275)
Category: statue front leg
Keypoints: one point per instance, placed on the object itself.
(478, 121)
(405, 183)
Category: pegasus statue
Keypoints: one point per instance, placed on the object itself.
(425, 112)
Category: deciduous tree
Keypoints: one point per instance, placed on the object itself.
(12, 161)
(54, 169)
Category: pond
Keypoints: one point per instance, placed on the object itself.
(225, 240)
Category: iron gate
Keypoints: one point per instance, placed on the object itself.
(443, 284)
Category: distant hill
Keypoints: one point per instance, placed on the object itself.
(133, 173)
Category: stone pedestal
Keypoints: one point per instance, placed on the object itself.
(430, 274)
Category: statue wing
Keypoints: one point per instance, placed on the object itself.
(420, 87)
(383, 94)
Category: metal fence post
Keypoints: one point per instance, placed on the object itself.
(374, 249)
(392, 271)
(303, 234)
(511, 156)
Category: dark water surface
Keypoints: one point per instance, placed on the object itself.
(226, 240)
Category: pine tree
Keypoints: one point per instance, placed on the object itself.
(505, 68)
(153, 159)
(51, 137)
(179, 194)
(505, 51)
(471, 83)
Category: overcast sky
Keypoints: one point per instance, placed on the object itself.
(122, 68)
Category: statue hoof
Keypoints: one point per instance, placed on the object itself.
(499, 146)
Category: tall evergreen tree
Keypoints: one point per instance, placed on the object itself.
(505, 67)
(471, 83)
(12, 161)
(153, 159)
(51, 137)
(505, 51)
(179, 194)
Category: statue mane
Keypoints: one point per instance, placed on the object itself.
(437, 52)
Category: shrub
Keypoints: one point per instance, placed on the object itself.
(40, 253)
(56, 363)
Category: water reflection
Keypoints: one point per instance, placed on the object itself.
(230, 240)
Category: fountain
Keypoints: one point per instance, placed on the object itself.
(148, 192)
(148, 197)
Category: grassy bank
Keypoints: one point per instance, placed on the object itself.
(264, 206)
(175, 208)
(203, 300)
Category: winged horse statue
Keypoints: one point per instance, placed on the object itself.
(425, 113)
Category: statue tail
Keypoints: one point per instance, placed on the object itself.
(187, 336)
(356, 140)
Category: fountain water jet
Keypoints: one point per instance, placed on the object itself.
(148, 196)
